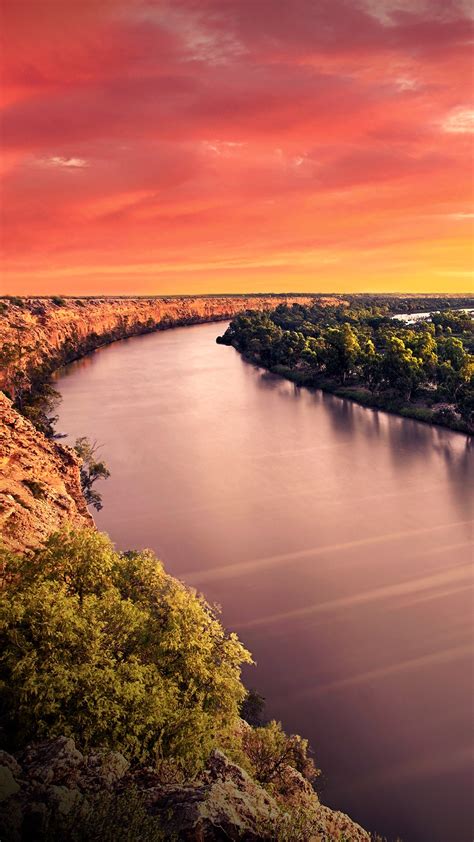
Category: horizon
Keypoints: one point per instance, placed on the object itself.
(152, 146)
(246, 293)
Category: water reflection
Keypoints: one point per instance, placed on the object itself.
(337, 540)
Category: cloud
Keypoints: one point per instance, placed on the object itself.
(460, 121)
(68, 163)
(203, 130)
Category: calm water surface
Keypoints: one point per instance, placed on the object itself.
(337, 541)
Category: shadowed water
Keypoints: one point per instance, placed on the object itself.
(337, 541)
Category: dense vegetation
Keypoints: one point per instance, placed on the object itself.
(424, 369)
(107, 648)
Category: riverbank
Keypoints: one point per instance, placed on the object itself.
(365, 398)
(38, 336)
(423, 371)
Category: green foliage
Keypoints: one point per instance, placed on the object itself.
(92, 470)
(109, 649)
(58, 300)
(388, 362)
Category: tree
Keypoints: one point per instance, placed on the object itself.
(452, 350)
(109, 649)
(400, 368)
(91, 470)
(343, 349)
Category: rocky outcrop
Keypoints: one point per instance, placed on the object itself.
(225, 803)
(40, 487)
(40, 333)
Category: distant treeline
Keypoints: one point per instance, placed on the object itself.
(408, 303)
(423, 370)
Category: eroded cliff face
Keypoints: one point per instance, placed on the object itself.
(43, 334)
(40, 487)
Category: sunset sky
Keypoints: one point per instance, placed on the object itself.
(236, 145)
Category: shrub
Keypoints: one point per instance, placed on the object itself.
(58, 300)
(110, 650)
(92, 470)
(102, 817)
(270, 750)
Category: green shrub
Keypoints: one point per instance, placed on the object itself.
(110, 650)
(58, 300)
(419, 413)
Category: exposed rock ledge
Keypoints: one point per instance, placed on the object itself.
(223, 804)
(40, 487)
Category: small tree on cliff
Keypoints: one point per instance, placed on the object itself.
(92, 470)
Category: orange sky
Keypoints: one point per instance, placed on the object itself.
(235, 145)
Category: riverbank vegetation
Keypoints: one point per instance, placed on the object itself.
(422, 370)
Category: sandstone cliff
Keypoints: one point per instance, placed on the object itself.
(40, 334)
(40, 487)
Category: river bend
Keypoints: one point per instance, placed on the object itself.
(337, 540)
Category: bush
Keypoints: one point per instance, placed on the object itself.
(58, 300)
(270, 751)
(92, 470)
(110, 650)
(102, 817)
(419, 413)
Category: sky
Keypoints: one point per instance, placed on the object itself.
(201, 146)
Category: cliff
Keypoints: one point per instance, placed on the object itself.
(39, 335)
(54, 780)
(40, 487)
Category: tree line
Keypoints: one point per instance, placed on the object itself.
(425, 368)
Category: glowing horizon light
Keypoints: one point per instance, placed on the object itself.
(236, 147)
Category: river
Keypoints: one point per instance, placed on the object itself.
(335, 538)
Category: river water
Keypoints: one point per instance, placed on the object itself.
(337, 540)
